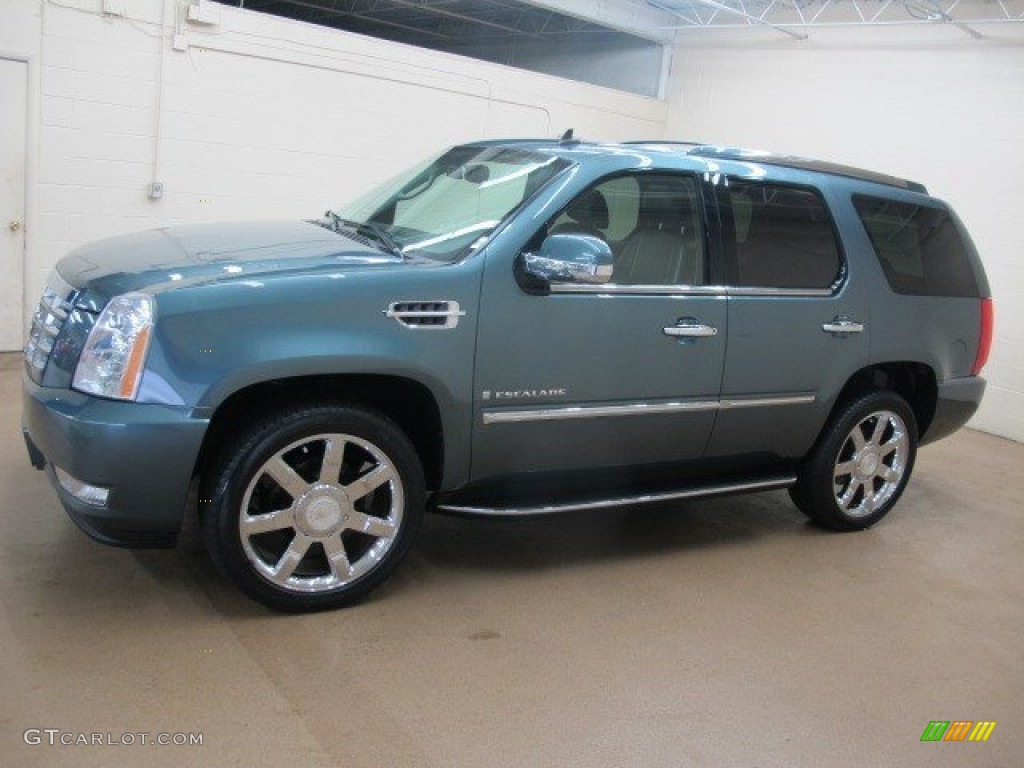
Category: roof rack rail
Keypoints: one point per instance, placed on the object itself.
(807, 164)
(671, 142)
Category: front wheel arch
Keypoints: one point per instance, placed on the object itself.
(313, 506)
(410, 404)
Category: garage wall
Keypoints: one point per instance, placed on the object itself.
(615, 59)
(260, 116)
(930, 104)
(257, 117)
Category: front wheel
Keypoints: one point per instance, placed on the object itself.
(314, 507)
(861, 463)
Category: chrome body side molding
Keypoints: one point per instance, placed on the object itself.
(559, 413)
(698, 492)
(595, 411)
(767, 402)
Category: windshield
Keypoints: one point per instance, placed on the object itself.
(448, 206)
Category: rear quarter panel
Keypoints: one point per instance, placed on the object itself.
(941, 332)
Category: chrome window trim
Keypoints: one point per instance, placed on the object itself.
(692, 290)
(626, 290)
(612, 289)
(567, 412)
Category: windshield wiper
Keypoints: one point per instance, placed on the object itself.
(377, 232)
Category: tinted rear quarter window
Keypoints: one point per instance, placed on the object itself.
(784, 237)
(918, 247)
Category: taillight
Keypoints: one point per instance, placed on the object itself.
(985, 339)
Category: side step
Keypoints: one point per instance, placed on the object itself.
(697, 492)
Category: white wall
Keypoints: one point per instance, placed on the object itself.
(259, 117)
(614, 59)
(930, 104)
(21, 40)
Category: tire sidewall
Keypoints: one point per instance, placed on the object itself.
(247, 455)
(815, 494)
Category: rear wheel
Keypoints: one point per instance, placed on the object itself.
(861, 463)
(314, 507)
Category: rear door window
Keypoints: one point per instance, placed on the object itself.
(918, 247)
(780, 237)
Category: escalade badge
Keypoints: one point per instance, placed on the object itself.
(521, 394)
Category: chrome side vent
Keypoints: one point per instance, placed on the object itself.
(433, 315)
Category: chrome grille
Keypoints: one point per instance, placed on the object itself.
(47, 322)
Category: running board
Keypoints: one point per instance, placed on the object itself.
(700, 492)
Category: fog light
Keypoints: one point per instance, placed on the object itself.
(90, 494)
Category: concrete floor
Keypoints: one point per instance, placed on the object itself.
(719, 633)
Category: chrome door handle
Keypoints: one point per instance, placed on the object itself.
(843, 325)
(691, 329)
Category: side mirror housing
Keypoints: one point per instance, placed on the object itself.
(569, 258)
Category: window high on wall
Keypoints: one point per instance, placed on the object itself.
(510, 32)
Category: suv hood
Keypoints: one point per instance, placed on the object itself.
(175, 257)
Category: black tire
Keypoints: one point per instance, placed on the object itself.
(274, 491)
(874, 436)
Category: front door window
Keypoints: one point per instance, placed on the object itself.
(653, 223)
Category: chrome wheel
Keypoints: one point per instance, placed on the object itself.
(871, 463)
(321, 513)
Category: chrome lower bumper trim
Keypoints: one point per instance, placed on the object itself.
(699, 492)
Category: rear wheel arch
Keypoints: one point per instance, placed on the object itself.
(861, 463)
(914, 381)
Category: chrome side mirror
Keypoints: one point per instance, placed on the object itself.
(570, 258)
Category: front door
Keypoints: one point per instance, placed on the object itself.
(611, 376)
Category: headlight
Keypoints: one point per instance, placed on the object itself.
(114, 356)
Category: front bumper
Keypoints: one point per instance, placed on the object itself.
(956, 403)
(144, 454)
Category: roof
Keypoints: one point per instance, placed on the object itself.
(712, 152)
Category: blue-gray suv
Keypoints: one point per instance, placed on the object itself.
(510, 328)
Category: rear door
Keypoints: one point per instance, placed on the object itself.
(797, 317)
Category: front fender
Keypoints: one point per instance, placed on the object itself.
(214, 341)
